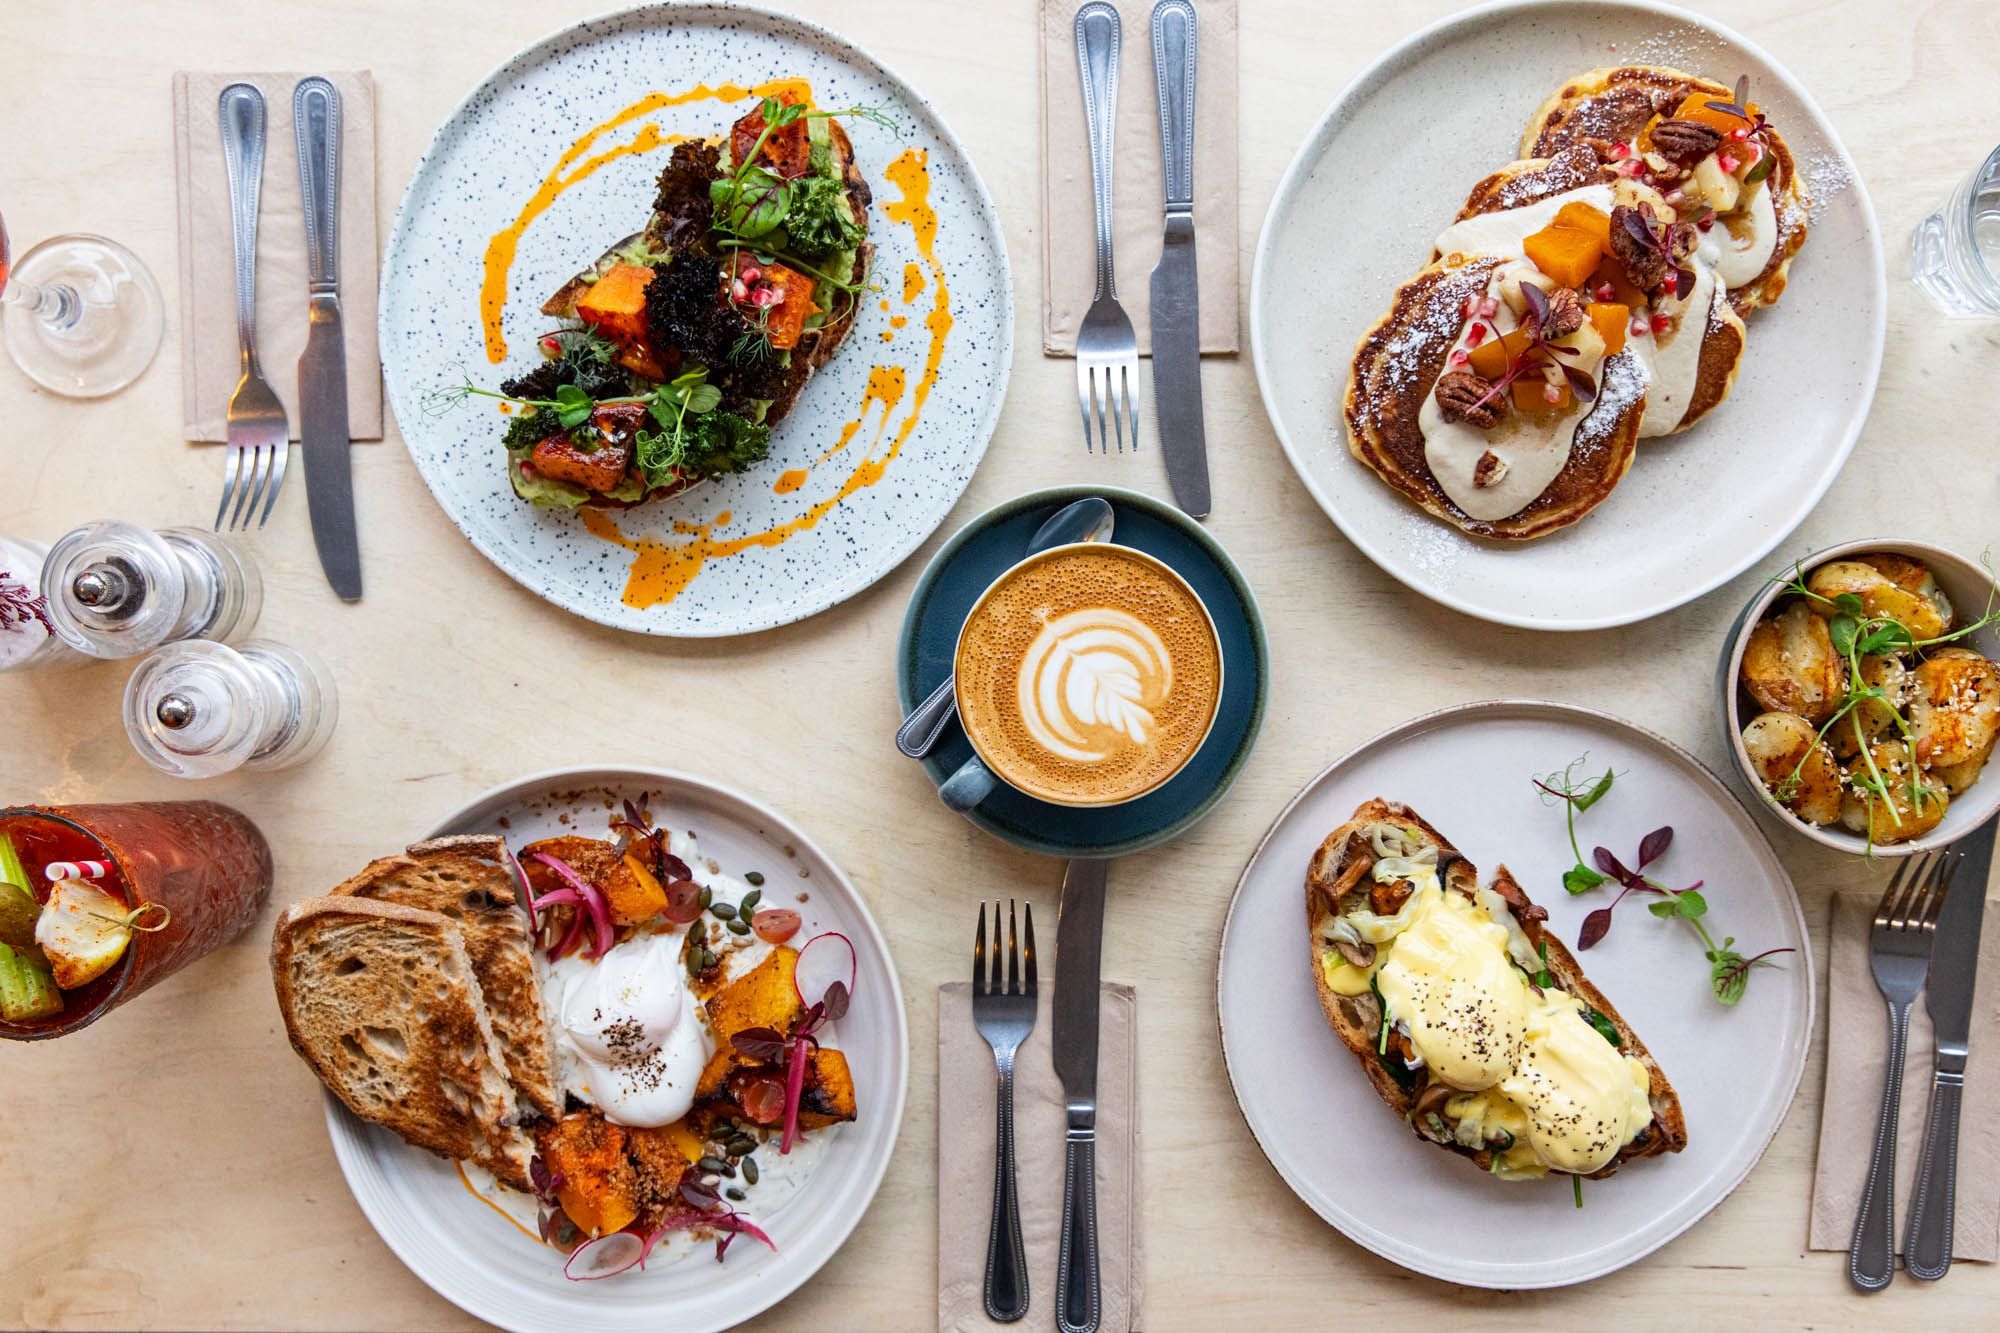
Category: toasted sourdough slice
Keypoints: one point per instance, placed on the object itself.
(1337, 881)
(1615, 104)
(467, 879)
(1678, 393)
(1395, 369)
(382, 1002)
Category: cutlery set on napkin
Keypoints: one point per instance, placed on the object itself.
(1924, 936)
(323, 134)
(1189, 305)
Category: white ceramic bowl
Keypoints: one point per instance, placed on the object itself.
(1968, 585)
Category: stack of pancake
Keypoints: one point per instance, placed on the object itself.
(1658, 205)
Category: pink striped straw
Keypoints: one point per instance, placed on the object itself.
(61, 870)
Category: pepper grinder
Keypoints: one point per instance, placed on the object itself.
(116, 589)
(199, 709)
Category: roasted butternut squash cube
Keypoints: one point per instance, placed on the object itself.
(1611, 321)
(1587, 218)
(1610, 274)
(786, 322)
(1491, 358)
(828, 1098)
(615, 305)
(788, 151)
(1531, 395)
(1567, 254)
(1696, 107)
(636, 897)
(598, 468)
(595, 1183)
(764, 997)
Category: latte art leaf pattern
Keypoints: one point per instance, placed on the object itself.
(1091, 682)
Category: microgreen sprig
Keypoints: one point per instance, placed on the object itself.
(21, 605)
(1539, 352)
(1565, 786)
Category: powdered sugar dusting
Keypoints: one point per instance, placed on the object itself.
(1823, 176)
(1680, 47)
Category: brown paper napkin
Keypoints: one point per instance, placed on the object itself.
(1069, 255)
(209, 366)
(1857, 1043)
(966, 1091)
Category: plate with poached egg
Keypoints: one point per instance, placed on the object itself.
(1355, 1067)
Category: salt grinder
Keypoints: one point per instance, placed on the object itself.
(198, 709)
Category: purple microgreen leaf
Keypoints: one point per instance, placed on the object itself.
(1654, 845)
(1595, 927)
(1580, 385)
(1637, 228)
(1683, 283)
(1538, 302)
(1610, 865)
(836, 1002)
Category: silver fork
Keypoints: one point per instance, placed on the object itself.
(1107, 351)
(1899, 954)
(259, 438)
(1004, 1013)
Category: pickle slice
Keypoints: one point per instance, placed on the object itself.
(18, 910)
(27, 990)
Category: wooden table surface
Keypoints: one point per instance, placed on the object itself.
(170, 1168)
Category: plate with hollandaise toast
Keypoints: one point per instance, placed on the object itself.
(1546, 1003)
(1575, 314)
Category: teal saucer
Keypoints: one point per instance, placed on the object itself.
(976, 555)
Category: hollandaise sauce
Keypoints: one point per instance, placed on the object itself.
(1532, 1077)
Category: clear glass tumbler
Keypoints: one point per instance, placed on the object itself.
(1955, 253)
(83, 315)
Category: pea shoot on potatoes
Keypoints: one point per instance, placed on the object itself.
(1876, 713)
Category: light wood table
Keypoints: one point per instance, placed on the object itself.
(170, 1168)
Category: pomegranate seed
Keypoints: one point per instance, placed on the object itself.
(765, 298)
(738, 291)
(1619, 151)
(1459, 358)
(1639, 325)
(1471, 307)
(1489, 307)
(1706, 222)
(551, 347)
(1630, 168)
(1728, 164)
(1604, 291)
(1740, 132)
(1475, 335)
(1660, 323)
(751, 273)
(1552, 394)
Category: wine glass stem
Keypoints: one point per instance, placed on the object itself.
(58, 306)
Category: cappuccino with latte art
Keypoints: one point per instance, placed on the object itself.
(1088, 675)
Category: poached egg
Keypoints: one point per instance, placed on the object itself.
(630, 1035)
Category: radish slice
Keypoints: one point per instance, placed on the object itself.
(607, 1256)
(824, 959)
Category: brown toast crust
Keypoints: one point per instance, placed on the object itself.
(466, 878)
(1332, 878)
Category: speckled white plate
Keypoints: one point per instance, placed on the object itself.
(481, 1263)
(1390, 164)
(1469, 771)
(491, 156)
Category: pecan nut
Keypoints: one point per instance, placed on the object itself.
(1464, 396)
(1489, 470)
(1565, 314)
(1646, 265)
(1685, 141)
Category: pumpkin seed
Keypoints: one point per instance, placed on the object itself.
(739, 927)
(707, 897)
(754, 877)
(736, 1194)
(723, 911)
(711, 1164)
(750, 901)
(750, 1169)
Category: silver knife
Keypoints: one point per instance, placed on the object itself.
(323, 365)
(1948, 996)
(1079, 935)
(1176, 295)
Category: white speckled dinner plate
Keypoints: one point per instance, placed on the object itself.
(1469, 771)
(491, 157)
(478, 1260)
(1390, 164)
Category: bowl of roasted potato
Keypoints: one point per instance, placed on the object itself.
(1862, 691)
